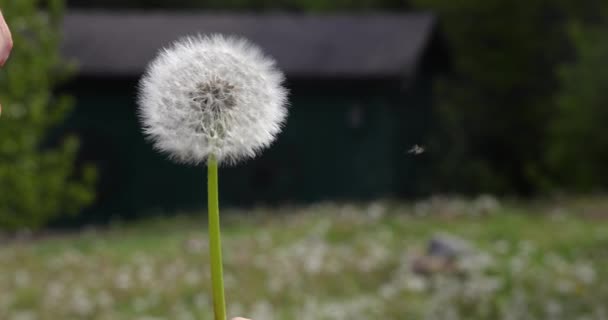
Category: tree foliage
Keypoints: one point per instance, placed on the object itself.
(495, 104)
(579, 144)
(38, 180)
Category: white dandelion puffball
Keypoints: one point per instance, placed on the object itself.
(212, 96)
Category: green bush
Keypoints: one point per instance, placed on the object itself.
(579, 148)
(38, 179)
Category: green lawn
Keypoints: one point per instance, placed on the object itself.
(547, 260)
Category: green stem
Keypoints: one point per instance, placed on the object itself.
(215, 244)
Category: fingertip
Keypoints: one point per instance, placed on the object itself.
(6, 40)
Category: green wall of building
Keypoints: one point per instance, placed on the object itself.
(346, 141)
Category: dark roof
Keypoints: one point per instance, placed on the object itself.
(337, 45)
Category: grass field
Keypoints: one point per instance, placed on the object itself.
(547, 260)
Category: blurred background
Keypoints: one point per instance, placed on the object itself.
(442, 160)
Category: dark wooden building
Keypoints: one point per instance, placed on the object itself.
(361, 91)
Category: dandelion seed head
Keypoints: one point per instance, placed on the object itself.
(212, 96)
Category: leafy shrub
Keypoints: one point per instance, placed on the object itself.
(38, 181)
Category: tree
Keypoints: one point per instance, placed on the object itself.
(494, 106)
(38, 179)
(579, 147)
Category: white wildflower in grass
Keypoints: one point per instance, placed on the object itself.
(212, 100)
(212, 96)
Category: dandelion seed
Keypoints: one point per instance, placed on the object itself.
(416, 150)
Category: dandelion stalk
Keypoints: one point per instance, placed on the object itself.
(215, 244)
